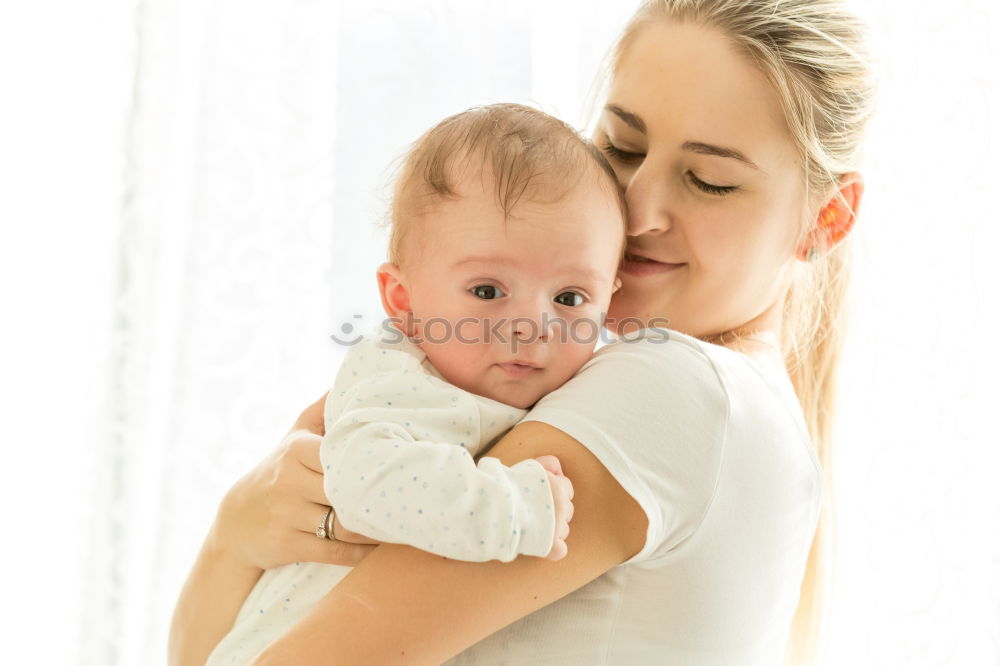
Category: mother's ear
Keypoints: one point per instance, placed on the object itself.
(395, 295)
(836, 218)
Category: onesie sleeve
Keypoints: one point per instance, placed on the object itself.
(654, 411)
(399, 468)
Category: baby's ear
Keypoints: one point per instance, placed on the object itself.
(395, 296)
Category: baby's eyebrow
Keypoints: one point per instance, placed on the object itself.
(579, 273)
(498, 259)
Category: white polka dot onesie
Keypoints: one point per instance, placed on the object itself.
(399, 467)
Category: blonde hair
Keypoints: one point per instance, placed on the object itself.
(813, 54)
(526, 153)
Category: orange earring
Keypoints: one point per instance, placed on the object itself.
(829, 216)
(827, 219)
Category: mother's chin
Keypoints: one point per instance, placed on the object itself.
(645, 302)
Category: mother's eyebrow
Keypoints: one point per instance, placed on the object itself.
(719, 151)
(637, 123)
(630, 119)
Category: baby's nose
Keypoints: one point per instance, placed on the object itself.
(539, 324)
(529, 329)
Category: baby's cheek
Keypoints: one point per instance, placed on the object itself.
(459, 363)
(470, 331)
(569, 359)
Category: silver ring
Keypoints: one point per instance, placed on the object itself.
(328, 524)
(322, 531)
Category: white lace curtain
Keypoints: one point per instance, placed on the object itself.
(259, 139)
(222, 225)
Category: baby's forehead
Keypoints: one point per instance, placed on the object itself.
(557, 228)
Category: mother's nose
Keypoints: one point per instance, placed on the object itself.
(648, 204)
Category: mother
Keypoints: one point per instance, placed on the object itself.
(735, 127)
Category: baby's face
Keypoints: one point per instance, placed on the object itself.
(511, 309)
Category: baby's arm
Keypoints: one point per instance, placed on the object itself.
(562, 495)
(389, 485)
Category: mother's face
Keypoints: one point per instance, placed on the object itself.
(697, 138)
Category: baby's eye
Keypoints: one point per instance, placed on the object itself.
(486, 292)
(569, 298)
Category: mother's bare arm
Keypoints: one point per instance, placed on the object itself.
(402, 605)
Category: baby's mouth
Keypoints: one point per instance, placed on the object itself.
(518, 369)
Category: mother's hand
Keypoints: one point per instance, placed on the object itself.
(269, 517)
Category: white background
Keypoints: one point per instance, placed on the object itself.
(188, 194)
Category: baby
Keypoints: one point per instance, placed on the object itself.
(507, 231)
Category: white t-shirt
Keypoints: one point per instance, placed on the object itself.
(713, 446)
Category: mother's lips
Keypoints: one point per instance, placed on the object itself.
(641, 266)
(635, 256)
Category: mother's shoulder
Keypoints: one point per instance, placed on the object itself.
(664, 358)
(652, 368)
(661, 348)
(664, 345)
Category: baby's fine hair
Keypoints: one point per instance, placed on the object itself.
(523, 152)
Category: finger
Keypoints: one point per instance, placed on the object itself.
(308, 516)
(563, 486)
(558, 551)
(311, 487)
(299, 482)
(314, 549)
(311, 417)
(305, 448)
(563, 531)
(551, 464)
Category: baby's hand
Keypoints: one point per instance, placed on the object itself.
(562, 500)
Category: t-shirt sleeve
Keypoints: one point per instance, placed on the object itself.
(653, 410)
